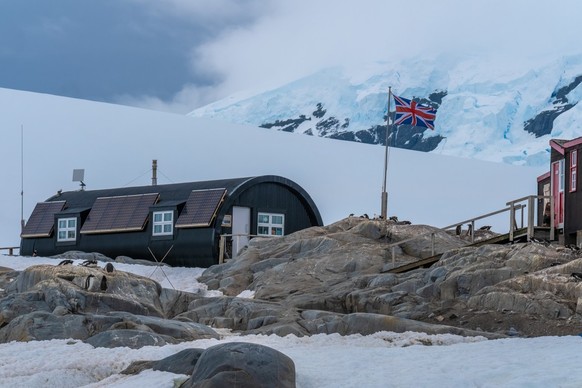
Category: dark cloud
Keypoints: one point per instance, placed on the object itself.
(103, 49)
(179, 54)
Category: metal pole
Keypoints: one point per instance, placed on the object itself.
(21, 178)
(384, 210)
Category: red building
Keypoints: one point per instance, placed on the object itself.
(562, 183)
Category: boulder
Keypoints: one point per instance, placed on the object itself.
(81, 289)
(179, 331)
(78, 255)
(181, 363)
(43, 325)
(242, 365)
(133, 339)
(364, 323)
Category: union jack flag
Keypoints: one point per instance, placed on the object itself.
(410, 112)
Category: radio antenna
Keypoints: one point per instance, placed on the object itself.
(21, 178)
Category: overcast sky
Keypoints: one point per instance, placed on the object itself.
(178, 55)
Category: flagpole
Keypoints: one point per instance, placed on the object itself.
(384, 211)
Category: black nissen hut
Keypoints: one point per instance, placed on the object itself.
(181, 222)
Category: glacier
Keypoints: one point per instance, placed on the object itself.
(492, 111)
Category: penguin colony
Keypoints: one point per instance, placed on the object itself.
(91, 282)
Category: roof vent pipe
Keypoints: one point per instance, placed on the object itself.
(154, 172)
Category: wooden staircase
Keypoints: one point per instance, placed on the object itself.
(514, 235)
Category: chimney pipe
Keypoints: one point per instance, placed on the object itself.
(154, 172)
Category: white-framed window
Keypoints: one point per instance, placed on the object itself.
(270, 224)
(67, 229)
(163, 224)
(573, 169)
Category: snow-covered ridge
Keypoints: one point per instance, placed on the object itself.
(489, 111)
(116, 144)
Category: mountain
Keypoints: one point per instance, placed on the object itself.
(489, 111)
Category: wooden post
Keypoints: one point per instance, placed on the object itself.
(511, 221)
(552, 221)
(221, 246)
(530, 217)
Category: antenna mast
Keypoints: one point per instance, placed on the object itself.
(21, 178)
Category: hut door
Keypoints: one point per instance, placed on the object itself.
(241, 227)
(558, 192)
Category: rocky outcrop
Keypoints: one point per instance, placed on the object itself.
(341, 269)
(85, 302)
(321, 280)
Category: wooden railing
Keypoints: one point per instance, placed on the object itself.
(530, 215)
(9, 249)
(513, 207)
(222, 251)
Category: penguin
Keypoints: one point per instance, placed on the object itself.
(89, 282)
(89, 263)
(103, 285)
(485, 227)
(66, 262)
(458, 230)
(577, 276)
(109, 267)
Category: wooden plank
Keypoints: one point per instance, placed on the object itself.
(416, 264)
(501, 239)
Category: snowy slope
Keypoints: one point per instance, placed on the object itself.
(116, 144)
(490, 111)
